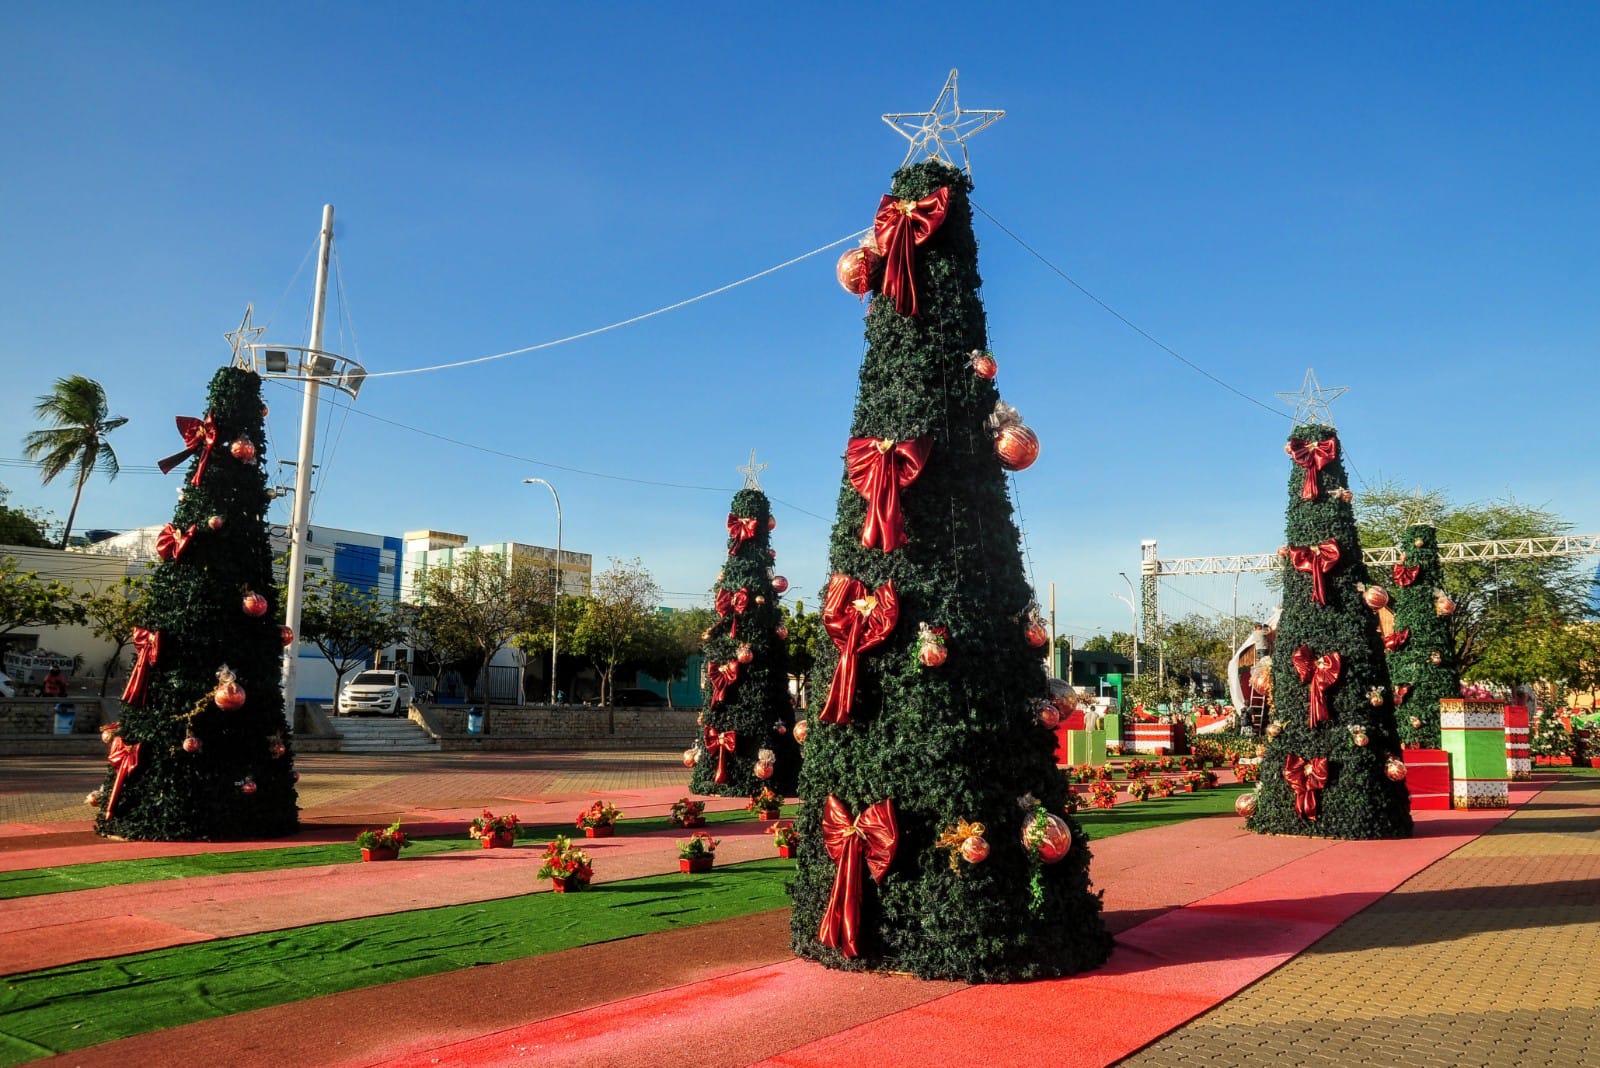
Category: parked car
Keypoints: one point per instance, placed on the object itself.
(637, 699)
(7, 687)
(386, 693)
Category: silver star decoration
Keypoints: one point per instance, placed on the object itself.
(1417, 510)
(241, 339)
(1311, 402)
(935, 131)
(752, 472)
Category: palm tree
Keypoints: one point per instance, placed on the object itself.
(76, 410)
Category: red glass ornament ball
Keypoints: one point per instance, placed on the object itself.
(243, 450)
(255, 605)
(1050, 717)
(1055, 840)
(1376, 597)
(782, 632)
(975, 849)
(191, 744)
(745, 654)
(1017, 446)
(1037, 635)
(228, 696)
(984, 366)
(286, 635)
(772, 522)
(933, 655)
(801, 729)
(856, 269)
(780, 584)
(248, 786)
(1395, 768)
(763, 770)
(215, 522)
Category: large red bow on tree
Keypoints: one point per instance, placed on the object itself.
(1321, 672)
(1405, 576)
(879, 469)
(170, 543)
(1305, 777)
(735, 602)
(1313, 456)
(740, 530)
(871, 837)
(722, 676)
(199, 436)
(1315, 560)
(1396, 640)
(124, 758)
(856, 620)
(902, 225)
(721, 743)
(147, 643)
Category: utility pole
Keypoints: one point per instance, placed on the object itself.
(555, 595)
(1054, 673)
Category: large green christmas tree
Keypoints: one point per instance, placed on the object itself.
(1422, 660)
(1332, 738)
(935, 834)
(202, 750)
(747, 713)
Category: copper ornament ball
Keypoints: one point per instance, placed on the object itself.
(745, 654)
(689, 758)
(1395, 768)
(191, 744)
(933, 655)
(1416, 722)
(782, 632)
(1435, 657)
(780, 584)
(1245, 804)
(1361, 739)
(1037, 635)
(1017, 446)
(975, 849)
(228, 696)
(243, 450)
(254, 605)
(1376, 597)
(801, 729)
(1050, 716)
(286, 635)
(763, 769)
(215, 522)
(856, 268)
(984, 365)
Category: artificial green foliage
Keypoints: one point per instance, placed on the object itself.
(756, 706)
(1359, 800)
(196, 603)
(960, 741)
(1549, 736)
(1412, 664)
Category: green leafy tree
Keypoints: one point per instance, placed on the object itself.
(1116, 643)
(348, 625)
(1424, 663)
(961, 740)
(754, 703)
(20, 526)
(476, 605)
(669, 641)
(236, 780)
(1358, 799)
(28, 601)
(534, 643)
(79, 422)
(805, 639)
(616, 616)
(114, 612)
(1546, 654)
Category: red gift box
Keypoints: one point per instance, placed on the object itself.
(1428, 779)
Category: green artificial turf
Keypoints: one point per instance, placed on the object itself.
(1158, 811)
(76, 1005)
(102, 873)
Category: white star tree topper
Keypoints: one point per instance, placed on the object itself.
(241, 339)
(1312, 401)
(752, 472)
(945, 126)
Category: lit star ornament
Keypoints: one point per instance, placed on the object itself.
(934, 132)
(1311, 402)
(241, 339)
(752, 472)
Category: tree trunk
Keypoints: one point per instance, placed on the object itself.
(66, 531)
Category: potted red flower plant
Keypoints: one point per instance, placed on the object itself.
(495, 832)
(568, 869)
(687, 813)
(1140, 789)
(382, 845)
(785, 837)
(1103, 794)
(768, 805)
(696, 853)
(599, 820)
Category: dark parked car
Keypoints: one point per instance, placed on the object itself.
(637, 699)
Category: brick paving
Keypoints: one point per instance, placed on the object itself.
(1488, 957)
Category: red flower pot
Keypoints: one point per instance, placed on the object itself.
(600, 832)
(380, 853)
(567, 885)
(1188, 787)
(768, 817)
(785, 851)
(695, 864)
(499, 840)
(693, 821)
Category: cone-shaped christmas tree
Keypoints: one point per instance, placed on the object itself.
(1422, 661)
(202, 750)
(1333, 755)
(934, 837)
(747, 738)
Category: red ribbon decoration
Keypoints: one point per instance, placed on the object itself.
(879, 469)
(721, 743)
(740, 530)
(199, 436)
(1405, 576)
(735, 602)
(1397, 640)
(856, 620)
(1316, 560)
(1313, 456)
(900, 226)
(124, 758)
(148, 645)
(872, 837)
(1321, 672)
(170, 543)
(1401, 692)
(722, 676)
(1305, 777)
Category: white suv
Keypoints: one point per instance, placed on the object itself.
(388, 693)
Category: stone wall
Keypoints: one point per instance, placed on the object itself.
(563, 727)
(27, 726)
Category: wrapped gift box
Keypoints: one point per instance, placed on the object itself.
(1519, 764)
(1427, 778)
(1076, 744)
(1156, 737)
(1112, 722)
(1474, 734)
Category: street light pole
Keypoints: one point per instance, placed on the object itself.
(1133, 607)
(555, 591)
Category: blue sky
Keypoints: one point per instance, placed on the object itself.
(1402, 196)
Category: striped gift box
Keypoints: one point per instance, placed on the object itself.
(1519, 761)
(1474, 734)
(1428, 779)
(1149, 737)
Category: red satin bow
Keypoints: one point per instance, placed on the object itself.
(740, 530)
(199, 436)
(148, 645)
(1401, 692)
(736, 602)
(124, 758)
(1305, 777)
(879, 469)
(872, 837)
(170, 543)
(1396, 640)
(1316, 560)
(900, 226)
(856, 620)
(722, 676)
(721, 743)
(1405, 576)
(1321, 672)
(1313, 456)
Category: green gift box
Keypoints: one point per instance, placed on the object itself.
(1474, 734)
